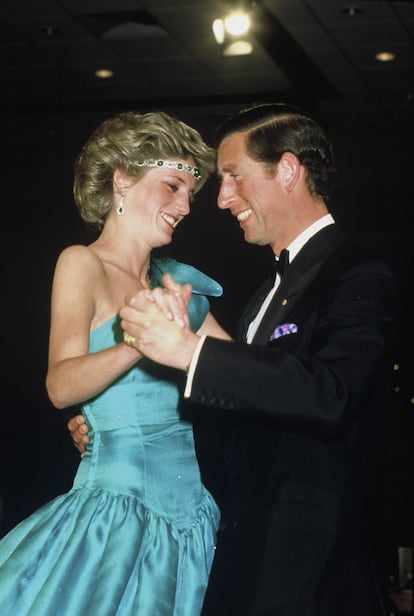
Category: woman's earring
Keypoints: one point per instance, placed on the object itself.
(120, 210)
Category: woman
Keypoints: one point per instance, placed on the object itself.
(135, 534)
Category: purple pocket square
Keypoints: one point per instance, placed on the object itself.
(284, 330)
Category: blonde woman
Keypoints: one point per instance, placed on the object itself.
(135, 535)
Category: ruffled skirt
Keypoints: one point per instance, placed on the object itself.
(93, 553)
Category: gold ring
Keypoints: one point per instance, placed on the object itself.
(128, 339)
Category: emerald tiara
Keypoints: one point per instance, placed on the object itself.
(172, 164)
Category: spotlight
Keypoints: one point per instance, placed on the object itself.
(231, 33)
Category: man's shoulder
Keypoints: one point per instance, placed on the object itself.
(350, 254)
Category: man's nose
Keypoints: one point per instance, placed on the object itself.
(225, 195)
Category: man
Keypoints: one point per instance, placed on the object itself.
(298, 385)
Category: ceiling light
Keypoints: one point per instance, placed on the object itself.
(50, 31)
(385, 56)
(104, 73)
(231, 34)
(238, 48)
(352, 10)
(219, 31)
(237, 24)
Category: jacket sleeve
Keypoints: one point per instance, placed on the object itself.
(318, 377)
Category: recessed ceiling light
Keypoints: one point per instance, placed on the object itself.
(104, 73)
(385, 56)
(352, 10)
(50, 31)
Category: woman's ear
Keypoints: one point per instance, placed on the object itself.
(120, 181)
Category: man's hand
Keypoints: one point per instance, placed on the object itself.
(172, 298)
(79, 433)
(162, 334)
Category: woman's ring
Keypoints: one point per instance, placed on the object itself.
(128, 339)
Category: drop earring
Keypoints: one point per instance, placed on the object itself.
(120, 210)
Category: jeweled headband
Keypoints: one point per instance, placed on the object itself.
(172, 164)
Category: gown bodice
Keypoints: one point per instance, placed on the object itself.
(139, 444)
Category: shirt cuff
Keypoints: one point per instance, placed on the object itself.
(192, 367)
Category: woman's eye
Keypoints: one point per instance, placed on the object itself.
(173, 187)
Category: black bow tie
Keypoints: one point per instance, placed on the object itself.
(282, 263)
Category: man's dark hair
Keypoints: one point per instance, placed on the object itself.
(275, 128)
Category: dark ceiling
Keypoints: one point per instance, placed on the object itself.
(321, 52)
(316, 53)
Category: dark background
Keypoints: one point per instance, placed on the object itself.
(49, 106)
(373, 202)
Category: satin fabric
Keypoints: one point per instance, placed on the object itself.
(135, 535)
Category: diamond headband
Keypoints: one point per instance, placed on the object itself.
(172, 164)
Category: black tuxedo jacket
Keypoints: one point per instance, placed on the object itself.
(300, 400)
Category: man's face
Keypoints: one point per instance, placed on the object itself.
(249, 191)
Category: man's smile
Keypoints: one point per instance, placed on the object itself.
(243, 216)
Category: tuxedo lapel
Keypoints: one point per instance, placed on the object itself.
(284, 300)
(298, 278)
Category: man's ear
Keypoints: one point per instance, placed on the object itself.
(289, 168)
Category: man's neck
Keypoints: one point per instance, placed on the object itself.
(300, 240)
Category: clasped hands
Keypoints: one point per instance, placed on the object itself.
(156, 323)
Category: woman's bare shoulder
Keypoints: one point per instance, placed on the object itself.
(79, 256)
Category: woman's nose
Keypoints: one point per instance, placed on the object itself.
(183, 205)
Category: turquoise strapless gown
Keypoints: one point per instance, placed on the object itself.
(135, 535)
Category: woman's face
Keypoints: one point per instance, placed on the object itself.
(158, 202)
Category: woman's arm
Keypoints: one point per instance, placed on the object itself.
(74, 375)
(210, 327)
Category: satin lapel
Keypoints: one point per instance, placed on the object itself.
(299, 276)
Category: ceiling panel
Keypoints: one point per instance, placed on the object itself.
(160, 51)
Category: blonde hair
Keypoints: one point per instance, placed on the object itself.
(125, 141)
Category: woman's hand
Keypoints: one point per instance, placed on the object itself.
(172, 298)
(157, 325)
